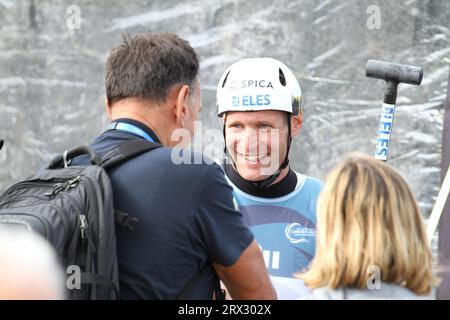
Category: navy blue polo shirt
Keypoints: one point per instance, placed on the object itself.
(186, 219)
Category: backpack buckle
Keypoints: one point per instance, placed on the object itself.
(124, 219)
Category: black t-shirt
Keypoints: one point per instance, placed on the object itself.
(186, 219)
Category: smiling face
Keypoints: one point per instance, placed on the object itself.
(257, 142)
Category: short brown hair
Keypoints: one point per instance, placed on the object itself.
(148, 65)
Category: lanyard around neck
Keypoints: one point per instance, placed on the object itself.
(116, 125)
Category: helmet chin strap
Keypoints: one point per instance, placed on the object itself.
(267, 182)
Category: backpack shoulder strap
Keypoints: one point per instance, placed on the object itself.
(126, 151)
(120, 154)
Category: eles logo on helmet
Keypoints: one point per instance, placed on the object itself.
(250, 100)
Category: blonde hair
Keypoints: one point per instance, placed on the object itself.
(368, 216)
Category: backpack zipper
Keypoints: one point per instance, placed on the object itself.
(83, 225)
(54, 206)
(20, 185)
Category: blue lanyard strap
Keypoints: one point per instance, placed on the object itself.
(129, 128)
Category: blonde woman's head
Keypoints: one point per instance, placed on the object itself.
(368, 217)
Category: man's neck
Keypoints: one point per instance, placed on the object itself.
(151, 116)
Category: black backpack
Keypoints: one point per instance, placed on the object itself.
(72, 207)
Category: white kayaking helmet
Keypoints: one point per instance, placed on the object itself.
(258, 84)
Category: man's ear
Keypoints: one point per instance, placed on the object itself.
(296, 124)
(108, 108)
(181, 109)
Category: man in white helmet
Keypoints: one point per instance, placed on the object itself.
(259, 101)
